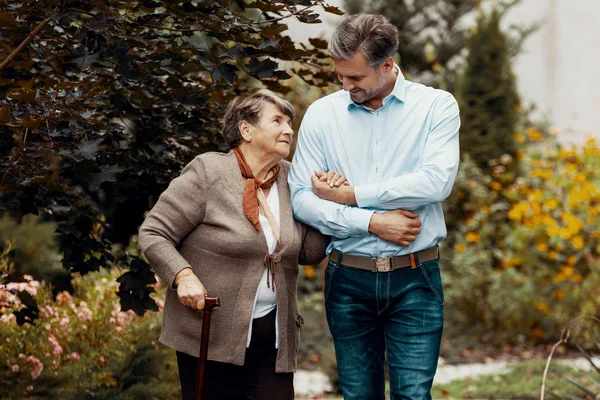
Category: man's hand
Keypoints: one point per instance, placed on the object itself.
(334, 187)
(397, 226)
(190, 291)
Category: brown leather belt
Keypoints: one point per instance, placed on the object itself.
(386, 264)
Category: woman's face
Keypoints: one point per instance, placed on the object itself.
(272, 136)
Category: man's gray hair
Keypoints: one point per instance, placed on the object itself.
(373, 35)
(249, 108)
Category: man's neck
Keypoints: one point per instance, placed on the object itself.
(376, 102)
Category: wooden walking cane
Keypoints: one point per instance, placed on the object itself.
(210, 304)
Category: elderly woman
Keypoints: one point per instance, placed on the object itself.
(224, 227)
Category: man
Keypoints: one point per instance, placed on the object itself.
(397, 144)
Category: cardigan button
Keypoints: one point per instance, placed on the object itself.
(276, 257)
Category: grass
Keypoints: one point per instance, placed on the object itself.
(523, 381)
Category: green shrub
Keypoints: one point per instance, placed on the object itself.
(82, 346)
(523, 255)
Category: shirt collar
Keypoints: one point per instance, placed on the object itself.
(399, 91)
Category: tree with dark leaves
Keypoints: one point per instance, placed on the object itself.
(103, 102)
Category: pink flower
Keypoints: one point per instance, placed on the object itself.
(101, 358)
(47, 311)
(14, 368)
(84, 312)
(63, 297)
(57, 348)
(75, 356)
(8, 319)
(37, 366)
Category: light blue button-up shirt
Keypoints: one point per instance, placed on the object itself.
(403, 155)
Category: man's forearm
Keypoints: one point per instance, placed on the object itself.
(329, 217)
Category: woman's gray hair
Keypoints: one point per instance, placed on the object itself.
(249, 108)
(373, 35)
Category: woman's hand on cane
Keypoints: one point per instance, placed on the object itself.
(190, 291)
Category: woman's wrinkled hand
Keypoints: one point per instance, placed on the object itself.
(331, 178)
(190, 291)
(342, 194)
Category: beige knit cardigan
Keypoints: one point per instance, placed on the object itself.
(198, 222)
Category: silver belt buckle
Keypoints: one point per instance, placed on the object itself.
(382, 264)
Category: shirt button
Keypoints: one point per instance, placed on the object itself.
(377, 141)
(376, 170)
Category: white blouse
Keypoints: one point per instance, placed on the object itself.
(266, 299)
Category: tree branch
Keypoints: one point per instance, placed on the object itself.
(24, 43)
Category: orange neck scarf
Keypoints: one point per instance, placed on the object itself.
(254, 198)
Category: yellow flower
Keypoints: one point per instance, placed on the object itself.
(553, 231)
(505, 263)
(309, 272)
(460, 247)
(591, 189)
(542, 173)
(473, 237)
(576, 278)
(543, 307)
(572, 260)
(551, 204)
(534, 134)
(577, 195)
(519, 138)
(566, 233)
(580, 178)
(577, 242)
(520, 154)
(565, 153)
(496, 185)
(543, 247)
(518, 210)
(553, 255)
(560, 295)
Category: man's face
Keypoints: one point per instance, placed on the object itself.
(359, 78)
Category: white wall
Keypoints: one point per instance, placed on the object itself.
(558, 69)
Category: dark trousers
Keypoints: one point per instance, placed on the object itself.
(255, 380)
(397, 314)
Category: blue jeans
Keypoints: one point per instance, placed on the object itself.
(399, 314)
